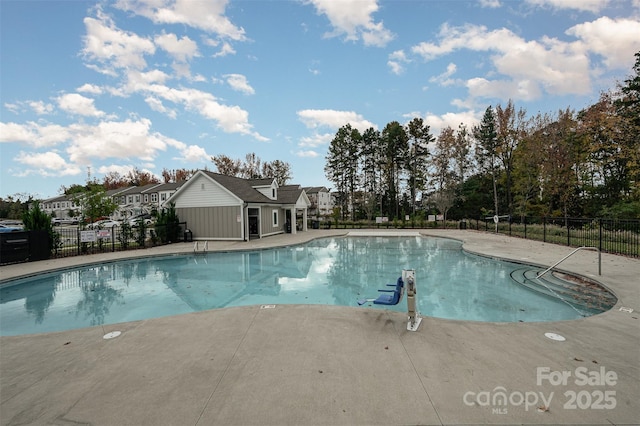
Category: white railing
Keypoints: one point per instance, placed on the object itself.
(196, 247)
(571, 254)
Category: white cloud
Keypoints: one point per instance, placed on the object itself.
(525, 90)
(231, 119)
(204, 15)
(558, 67)
(307, 154)
(34, 134)
(316, 140)
(75, 103)
(225, 50)
(239, 83)
(443, 79)
(450, 119)
(40, 107)
(137, 80)
(156, 105)
(115, 139)
(112, 47)
(396, 61)
(194, 154)
(491, 4)
(182, 50)
(121, 169)
(615, 40)
(594, 6)
(90, 88)
(353, 18)
(314, 118)
(396, 67)
(46, 164)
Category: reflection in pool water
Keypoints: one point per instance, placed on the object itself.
(332, 271)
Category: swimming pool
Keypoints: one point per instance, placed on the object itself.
(333, 271)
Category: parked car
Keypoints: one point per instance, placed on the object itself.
(68, 221)
(7, 228)
(135, 220)
(102, 224)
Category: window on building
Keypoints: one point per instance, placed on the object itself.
(130, 199)
(163, 197)
(275, 218)
(137, 198)
(146, 198)
(154, 198)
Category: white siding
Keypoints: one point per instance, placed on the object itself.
(268, 191)
(301, 203)
(204, 192)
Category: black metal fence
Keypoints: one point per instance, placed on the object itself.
(69, 241)
(609, 235)
(73, 241)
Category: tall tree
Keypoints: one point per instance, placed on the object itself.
(252, 166)
(606, 171)
(93, 201)
(226, 165)
(395, 152)
(628, 108)
(419, 139)
(177, 175)
(137, 177)
(342, 166)
(486, 138)
(460, 154)
(278, 170)
(528, 156)
(114, 180)
(561, 151)
(371, 153)
(444, 177)
(511, 127)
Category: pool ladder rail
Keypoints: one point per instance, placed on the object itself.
(205, 247)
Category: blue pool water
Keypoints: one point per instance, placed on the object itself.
(330, 271)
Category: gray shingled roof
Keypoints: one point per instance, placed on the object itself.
(314, 189)
(244, 189)
(289, 194)
(241, 188)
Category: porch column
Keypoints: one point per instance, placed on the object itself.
(304, 219)
(293, 221)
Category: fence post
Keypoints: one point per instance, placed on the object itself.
(113, 239)
(566, 223)
(544, 229)
(600, 234)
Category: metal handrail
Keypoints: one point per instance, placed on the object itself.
(205, 249)
(571, 254)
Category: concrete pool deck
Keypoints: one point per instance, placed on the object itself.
(332, 365)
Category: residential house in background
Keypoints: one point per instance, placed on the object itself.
(61, 207)
(221, 207)
(131, 201)
(321, 205)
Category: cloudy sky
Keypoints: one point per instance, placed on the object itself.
(152, 84)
